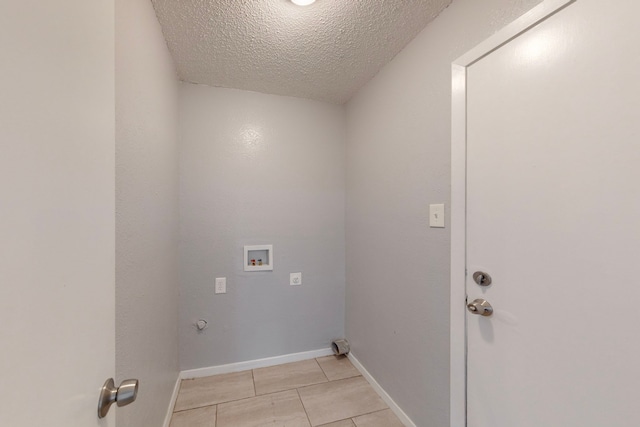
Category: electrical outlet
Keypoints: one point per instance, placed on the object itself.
(295, 279)
(221, 285)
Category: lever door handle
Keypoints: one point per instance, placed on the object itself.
(122, 396)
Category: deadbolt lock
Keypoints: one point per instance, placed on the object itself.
(482, 278)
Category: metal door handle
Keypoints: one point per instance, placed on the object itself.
(122, 396)
(480, 307)
(482, 278)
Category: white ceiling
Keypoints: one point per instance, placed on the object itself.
(325, 51)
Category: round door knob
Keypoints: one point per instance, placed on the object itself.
(127, 392)
(480, 307)
(122, 396)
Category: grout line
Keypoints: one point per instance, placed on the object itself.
(329, 382)
(197, 407)
(253, 379)
(353, 419)
(374, 412)
(297, 389)
(322, 370)
(243, 398)
(304, 408)
(225, 401)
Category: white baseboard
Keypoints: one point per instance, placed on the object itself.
(404, 418)
(254, 364)
(172, 403)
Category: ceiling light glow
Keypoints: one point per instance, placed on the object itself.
(303, 2)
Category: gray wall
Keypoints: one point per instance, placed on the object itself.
(146, 213)
(260, 169)
(398, 162)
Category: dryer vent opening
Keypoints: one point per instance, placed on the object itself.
(340, 347)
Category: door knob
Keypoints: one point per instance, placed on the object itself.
(480, 307)
(122, 396)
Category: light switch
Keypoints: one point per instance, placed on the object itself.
(221, 285)
(295, 279)
(436, 216)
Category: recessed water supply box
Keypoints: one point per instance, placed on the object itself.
(258, 258)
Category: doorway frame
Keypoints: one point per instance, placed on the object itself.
(458, 333)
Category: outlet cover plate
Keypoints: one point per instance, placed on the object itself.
(295, 279)
(221, 285)
(436, 216)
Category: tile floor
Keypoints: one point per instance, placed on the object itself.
(327, 392)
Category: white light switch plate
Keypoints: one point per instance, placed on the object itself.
(221, 285)
(295, 279)
(436, 216)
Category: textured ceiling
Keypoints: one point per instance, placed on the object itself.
(325, 51)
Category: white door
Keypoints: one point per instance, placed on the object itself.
(56, 211)
(553, 216)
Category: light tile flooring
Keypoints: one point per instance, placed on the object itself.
(327, 392)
